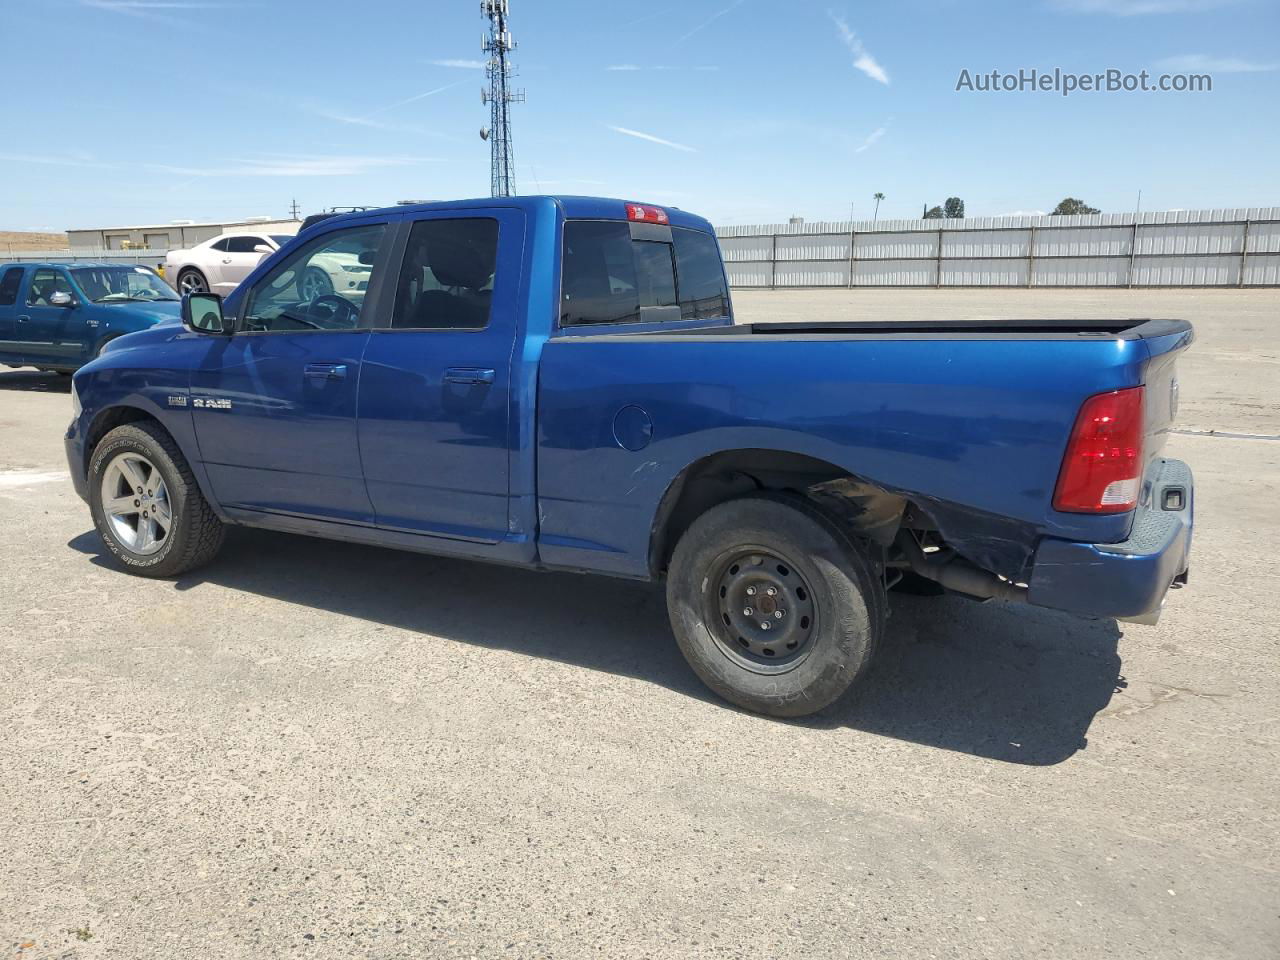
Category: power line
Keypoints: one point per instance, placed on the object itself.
(499, 97)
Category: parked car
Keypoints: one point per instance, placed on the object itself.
(220, 264)
(558, 383)
(57, 316)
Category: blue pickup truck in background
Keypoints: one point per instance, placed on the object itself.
(57, 316)
(558, 382)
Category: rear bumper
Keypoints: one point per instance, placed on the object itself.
(1126, 580)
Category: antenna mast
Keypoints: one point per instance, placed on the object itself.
(499, 45)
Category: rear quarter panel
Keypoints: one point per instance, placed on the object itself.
(969, 425)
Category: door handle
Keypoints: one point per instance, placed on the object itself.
(326, 371)
(469, 375)
(24, 318)
(228, 260)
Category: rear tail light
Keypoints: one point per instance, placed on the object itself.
(644, 213)
(1102, 469)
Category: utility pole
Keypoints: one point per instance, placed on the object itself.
(294, 210)
(499, 97)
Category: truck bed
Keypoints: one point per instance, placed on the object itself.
(970, 418)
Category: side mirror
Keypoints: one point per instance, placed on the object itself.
(202, 313)
(262, 248)
(61, 299)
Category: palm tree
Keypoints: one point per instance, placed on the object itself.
(877, 197)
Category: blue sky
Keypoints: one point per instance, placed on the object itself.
(142, 111)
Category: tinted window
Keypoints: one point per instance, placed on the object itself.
(9, 286)
(608, 277)
(244, 244)
(446, 282)
(44, 284)
(703, 294)
(221, 244)
(320, 286)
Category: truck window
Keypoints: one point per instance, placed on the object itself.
(703, 294)
(609, 277)
(45, 284)
(320, 286)
(9, 285)
(446, 280)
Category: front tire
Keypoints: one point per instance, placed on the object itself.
(776, 609)
(147, 506)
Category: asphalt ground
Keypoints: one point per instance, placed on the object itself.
(323, 750)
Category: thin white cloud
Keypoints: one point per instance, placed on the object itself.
(710, 20)
(861, 59)
(458, 64)
(414, 99)
(48, 160)
(1203, 61)
(287, 166)
(871, 139)
(652, 139)
(623, 67)
(1138, 8)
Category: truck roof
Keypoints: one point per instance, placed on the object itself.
(573, 207)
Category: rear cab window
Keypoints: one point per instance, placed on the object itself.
(619, 272)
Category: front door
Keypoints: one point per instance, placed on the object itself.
(275, 403)
(237, 261)
(435, 434)
(44, 324)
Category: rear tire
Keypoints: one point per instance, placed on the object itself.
(826, 585)
(131, 523)
(192, 281)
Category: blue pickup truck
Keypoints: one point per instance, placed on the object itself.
(57, 316)
(558, 382)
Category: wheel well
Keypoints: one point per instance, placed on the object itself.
(108, 420)
(870, 510)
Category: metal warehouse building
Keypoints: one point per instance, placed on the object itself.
(170, 236)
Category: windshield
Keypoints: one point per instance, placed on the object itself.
(119, 284)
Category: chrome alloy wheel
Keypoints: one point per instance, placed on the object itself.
(135, 502)
(190, 282)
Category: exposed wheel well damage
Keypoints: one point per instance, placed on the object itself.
(860, 506)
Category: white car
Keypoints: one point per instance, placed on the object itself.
(219, 265)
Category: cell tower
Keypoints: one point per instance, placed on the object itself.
(498, 45)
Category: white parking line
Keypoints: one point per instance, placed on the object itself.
(30, 478)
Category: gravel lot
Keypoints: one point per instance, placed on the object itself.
(338, 751)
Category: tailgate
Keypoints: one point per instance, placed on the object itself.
(1160, 398)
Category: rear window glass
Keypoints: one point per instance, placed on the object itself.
(609, 277)
(9, 284)
(703, 294)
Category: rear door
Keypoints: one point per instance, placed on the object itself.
(435, 389)
(274, 405)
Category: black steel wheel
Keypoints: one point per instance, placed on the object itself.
(761, 609)
(776, 608)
